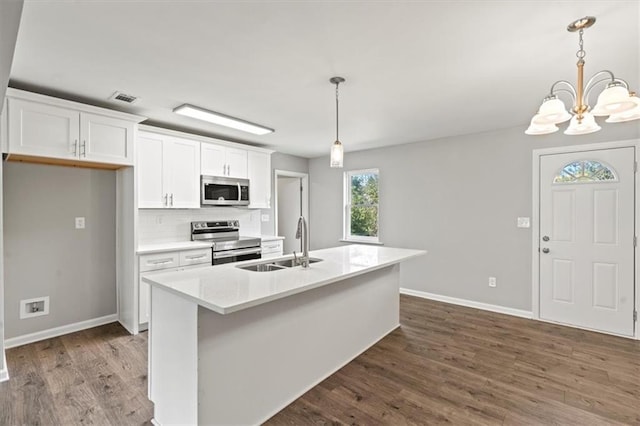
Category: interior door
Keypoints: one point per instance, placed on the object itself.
(587, 239)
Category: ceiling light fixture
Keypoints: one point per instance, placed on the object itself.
(221, 119)
(615, 101)
(337, 151)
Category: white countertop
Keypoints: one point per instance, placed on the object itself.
(225, 288)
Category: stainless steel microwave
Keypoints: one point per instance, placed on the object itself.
(223, 191)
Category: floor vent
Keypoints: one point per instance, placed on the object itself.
(123, 97)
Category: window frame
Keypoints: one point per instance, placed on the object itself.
(346, 222)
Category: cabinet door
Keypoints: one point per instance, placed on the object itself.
(213, 160)
(151, 156)
(106, 139)
(43, 130)
(236, 163)
(259, 180)
(182, 170)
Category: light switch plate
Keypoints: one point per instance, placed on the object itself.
(79, 222)
(524, 222)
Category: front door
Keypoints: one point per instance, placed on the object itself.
(587, 239)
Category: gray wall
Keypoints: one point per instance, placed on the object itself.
(10, 13)
(289, 163)
(458, 198)
(44, 255)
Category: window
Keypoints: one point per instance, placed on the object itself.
(584, 171)
(361, 205)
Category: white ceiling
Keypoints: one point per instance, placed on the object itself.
(415, 71)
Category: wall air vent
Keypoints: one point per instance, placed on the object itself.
(123, 97)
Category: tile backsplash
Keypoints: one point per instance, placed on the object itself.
(167, 225)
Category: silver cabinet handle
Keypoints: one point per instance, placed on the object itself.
(84, 149)
(545, 238)
(228, 169)
(166, 199)
(160, 262)
(172, 199)
(75, 147)
(202, 256)
(545, 250)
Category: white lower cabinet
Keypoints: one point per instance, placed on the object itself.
(272, 248)
(149, 264)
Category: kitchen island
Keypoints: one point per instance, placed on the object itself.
(233, 346)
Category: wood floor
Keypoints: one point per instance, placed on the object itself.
(445, 365)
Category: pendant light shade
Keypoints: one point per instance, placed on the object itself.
(337, 151)
(632, 114)
(337, 154)
(613, 100)
(540, 129)
(582, 127)
(552, 111)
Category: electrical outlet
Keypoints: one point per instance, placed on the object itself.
(524, 222)
(79, 222)
(34, 307)
(493, 282)
(265, 218)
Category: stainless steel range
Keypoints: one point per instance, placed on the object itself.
(228, 245)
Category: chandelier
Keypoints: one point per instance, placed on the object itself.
(615, 100)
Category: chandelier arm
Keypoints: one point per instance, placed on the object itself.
(571, 90)
(592, 81)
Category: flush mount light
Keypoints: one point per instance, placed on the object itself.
(615, 101)
(221, 119)
(337, 151)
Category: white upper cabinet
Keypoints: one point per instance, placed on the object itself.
(106, 139)
(259, 164)
(219, 160)
(43, 130)
(168, 172)
(41, 126)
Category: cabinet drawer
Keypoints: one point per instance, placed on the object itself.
(151, 262)
(194, 257)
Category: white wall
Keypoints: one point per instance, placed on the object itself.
(458, 198)
(10, 13)
(44, 255)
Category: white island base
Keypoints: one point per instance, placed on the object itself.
(244, 367)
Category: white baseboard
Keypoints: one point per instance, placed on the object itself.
(4, 373)
(58, 331)
(468, 303)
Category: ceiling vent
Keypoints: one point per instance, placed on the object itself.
(123, 97)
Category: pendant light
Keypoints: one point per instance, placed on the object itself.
(337, 152)
(615, 101)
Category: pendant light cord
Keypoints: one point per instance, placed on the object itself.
(337, 116)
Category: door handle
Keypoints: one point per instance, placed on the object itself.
(545, 238)
(545, 250)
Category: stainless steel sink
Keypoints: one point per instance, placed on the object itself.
(262, 267)
(275, 265)
(290, 263)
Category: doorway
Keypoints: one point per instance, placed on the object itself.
(584, 241)
(292, 201)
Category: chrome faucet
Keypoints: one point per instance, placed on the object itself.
(303, 233)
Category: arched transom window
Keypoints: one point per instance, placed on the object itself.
(585, 171)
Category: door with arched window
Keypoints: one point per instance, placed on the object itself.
(587, 239)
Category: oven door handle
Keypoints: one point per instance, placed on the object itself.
(232, 253)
